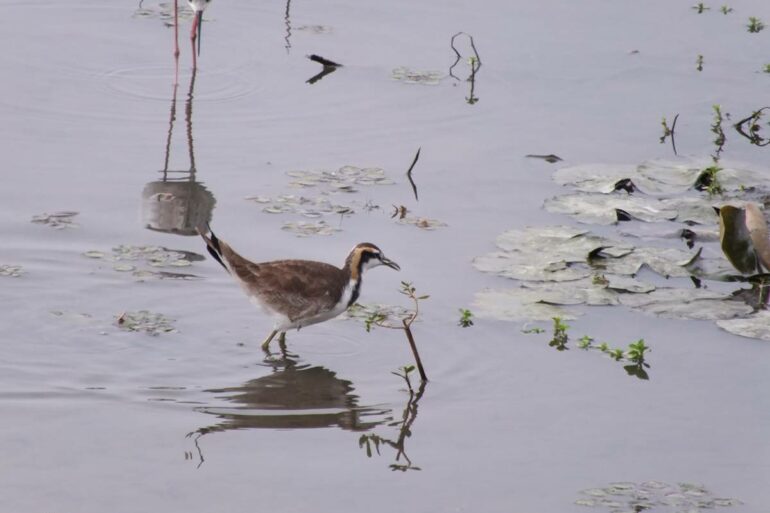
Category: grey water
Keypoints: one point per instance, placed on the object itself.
(95, 120)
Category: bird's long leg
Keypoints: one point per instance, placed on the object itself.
(193, 37)
(282, 342)
(266, 343)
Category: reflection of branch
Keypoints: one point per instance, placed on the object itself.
(473, 45)
(669, 132)
(404, 432)
(201, 459)
(288, 27)
(753, 124)
(475, 63)
(409, 174)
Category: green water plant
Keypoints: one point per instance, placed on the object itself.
(669, 132)
(708, 180)
(466, 318)
(560, 337)
(726, 9)
(700, 8)
(381, 319)
(633, 355)
(755, 25)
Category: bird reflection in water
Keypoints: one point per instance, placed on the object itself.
(293, 396)
(177, 203)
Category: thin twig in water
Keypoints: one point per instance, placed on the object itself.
(409, 174)
(669, 132)
(323, 61)
(753, 128)
(673, 139)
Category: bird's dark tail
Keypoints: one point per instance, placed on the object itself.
(212, 245)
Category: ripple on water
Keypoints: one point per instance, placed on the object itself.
(156, 83)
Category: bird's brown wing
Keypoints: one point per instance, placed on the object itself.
(295, 288)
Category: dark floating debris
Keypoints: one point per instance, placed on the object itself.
(625, 184)
(399, 211)
(622, 215)
(688, 236)
(323, 61)
(328, 67)
(551, 159)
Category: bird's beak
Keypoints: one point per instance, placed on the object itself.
(391, 264)
(199, 26)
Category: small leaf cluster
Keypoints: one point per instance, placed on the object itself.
(755, 25)
(700, 7)
(403, 373)
(634, 354)
(560, 337)
(466, 318)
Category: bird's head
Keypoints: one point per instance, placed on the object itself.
(366, 255)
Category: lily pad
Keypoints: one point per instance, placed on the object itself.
(700, 304)
(144, 321)
(603, 208)
(315, 29)
(306, 228)
(657, 177)
(341, 180)
(129, 259)
(517, 305)
(422, 222)
(11, 271)
(410, 76)
(653, 496)
(756, 325)
(57, 220)
(360, 312)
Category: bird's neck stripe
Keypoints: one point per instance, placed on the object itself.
(355, 285)
(355, 266)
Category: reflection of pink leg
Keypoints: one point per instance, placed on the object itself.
(176, 43)
(193, 37)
